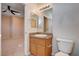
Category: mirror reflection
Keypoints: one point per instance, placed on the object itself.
(42, 21)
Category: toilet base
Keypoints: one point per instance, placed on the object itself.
(61, 54)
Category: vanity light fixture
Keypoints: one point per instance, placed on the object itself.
(47, 6)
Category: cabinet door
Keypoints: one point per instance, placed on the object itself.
(48, 51)
(49, 42)
(33, 41)
(33, 49)
(40, 42)
(40, 51)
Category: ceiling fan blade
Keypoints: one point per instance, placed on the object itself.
(12, 12)
(4, 10)
(8, 7)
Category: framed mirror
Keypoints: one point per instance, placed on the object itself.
(39, 22)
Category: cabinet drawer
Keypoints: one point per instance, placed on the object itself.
(48, 51)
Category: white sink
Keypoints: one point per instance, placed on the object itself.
(40, 35)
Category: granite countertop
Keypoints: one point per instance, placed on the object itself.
(40, 37)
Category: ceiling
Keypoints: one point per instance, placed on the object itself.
(20, 7)
(37, 5)
(35, 8)
(14, 6)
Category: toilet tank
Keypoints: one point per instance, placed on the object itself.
(65, 45)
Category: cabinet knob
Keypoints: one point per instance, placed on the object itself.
(49, 45)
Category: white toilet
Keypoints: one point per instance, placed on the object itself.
(64, 46)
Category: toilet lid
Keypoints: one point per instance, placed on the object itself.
(61, 54)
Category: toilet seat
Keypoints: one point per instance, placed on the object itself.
(61, 54)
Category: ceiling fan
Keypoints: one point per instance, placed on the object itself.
(12, 11)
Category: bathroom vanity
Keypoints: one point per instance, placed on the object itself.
(40, 44)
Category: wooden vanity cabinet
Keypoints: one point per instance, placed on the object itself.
(41, 46)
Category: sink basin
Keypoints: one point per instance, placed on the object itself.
(40, 35)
